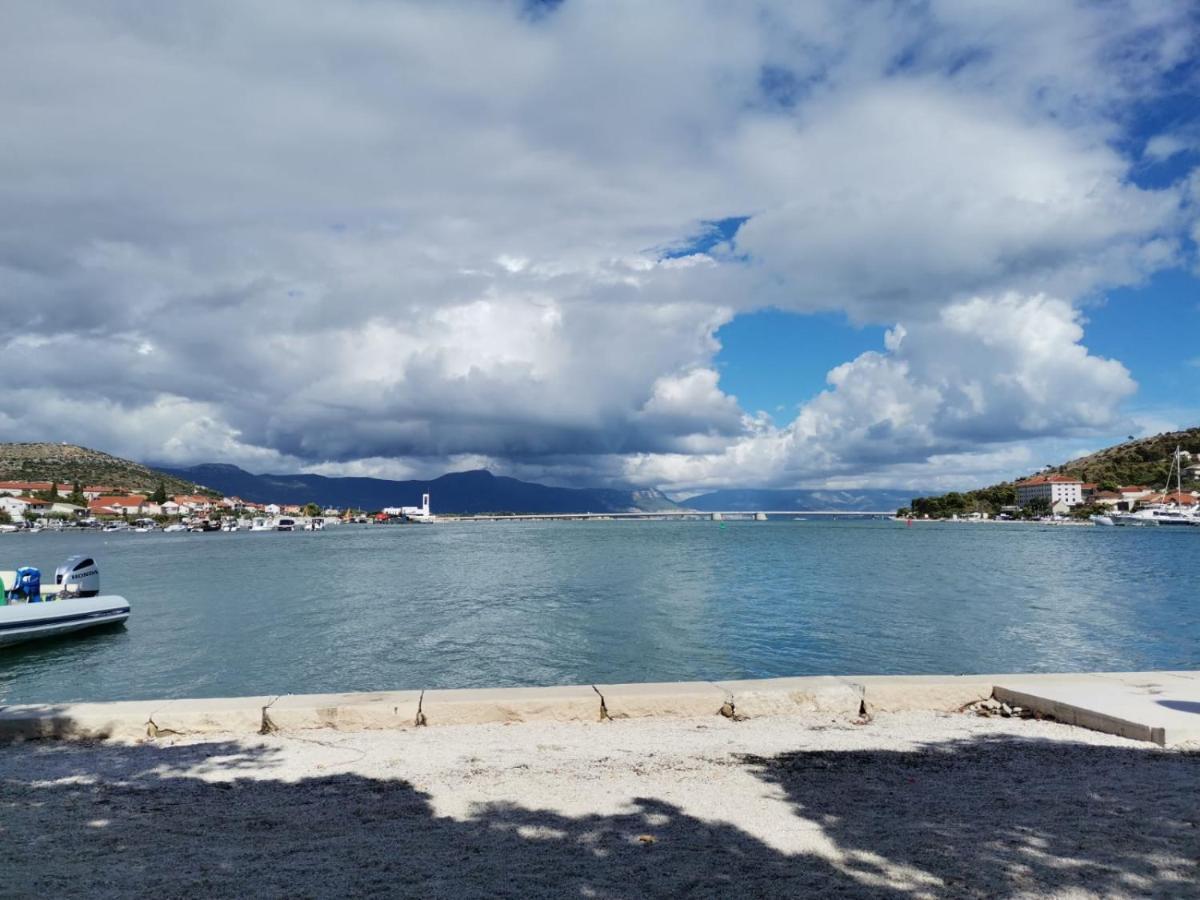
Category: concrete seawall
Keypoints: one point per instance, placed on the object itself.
(1163, 707)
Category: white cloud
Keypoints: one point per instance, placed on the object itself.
(1163, 146)
(397, 237)
(983, 372)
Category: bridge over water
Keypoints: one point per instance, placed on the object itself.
(733, 515)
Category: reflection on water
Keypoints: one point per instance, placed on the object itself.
(369, 608)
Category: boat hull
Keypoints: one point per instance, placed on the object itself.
(20, 622)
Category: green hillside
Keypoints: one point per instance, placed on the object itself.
(67, 464)
(1142, 461)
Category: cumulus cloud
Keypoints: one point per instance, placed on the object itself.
(981, 372)
(405, 237)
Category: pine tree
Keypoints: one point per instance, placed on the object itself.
(76, 496)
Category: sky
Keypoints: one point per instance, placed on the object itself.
(684, 245)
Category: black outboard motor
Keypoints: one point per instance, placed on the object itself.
(78, 576)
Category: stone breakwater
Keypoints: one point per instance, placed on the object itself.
(1162, 707)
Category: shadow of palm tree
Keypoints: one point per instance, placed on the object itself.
(978, 817)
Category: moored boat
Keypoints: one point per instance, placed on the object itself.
(29, 610)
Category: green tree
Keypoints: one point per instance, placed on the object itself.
(50, 496)
(1038, 506)
(76, 496)
(160, 494)
(311, 509)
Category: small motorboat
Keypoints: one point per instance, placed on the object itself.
(1102, 520)
(30, 610)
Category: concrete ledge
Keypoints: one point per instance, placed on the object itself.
(784, 696)
(242, 715)
(672, 699)
(1071, 714)
(475, 707)
(1163, 707)
(125, 721)
(903, 693)
(344, 712)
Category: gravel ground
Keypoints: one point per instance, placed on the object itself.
(909, 805)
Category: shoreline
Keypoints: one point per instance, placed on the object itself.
(1161, 707)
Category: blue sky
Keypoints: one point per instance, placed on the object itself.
(773, 360)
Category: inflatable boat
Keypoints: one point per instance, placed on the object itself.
(31, 610)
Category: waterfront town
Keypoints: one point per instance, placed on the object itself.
(1061, 494)
(37, 504)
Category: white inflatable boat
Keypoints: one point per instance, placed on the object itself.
(30, 610)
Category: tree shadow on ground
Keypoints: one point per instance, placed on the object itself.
(1001, 815)
(979, 817)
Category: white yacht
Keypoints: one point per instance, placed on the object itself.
(1172, 511)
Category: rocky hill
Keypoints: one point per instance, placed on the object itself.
(67, 463)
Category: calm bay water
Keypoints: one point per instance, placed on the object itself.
(470, 605)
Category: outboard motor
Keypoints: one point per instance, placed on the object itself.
(27, 588)
(78, 576)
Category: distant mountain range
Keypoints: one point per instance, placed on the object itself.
(800, 500)
(478, 491)
(457, 492)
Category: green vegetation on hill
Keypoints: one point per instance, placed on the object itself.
(1145, 461)
(1140, 461)
(67, 464)
(984, 500)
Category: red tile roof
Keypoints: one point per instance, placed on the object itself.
(1049, 479)
(1179, 498)
(116, 502)
(25, 485)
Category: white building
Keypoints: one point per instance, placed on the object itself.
(1056, 489)
(14, 506)
(411, 512)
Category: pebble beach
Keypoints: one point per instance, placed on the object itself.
(915, 804)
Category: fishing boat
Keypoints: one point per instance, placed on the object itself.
(31, 610)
